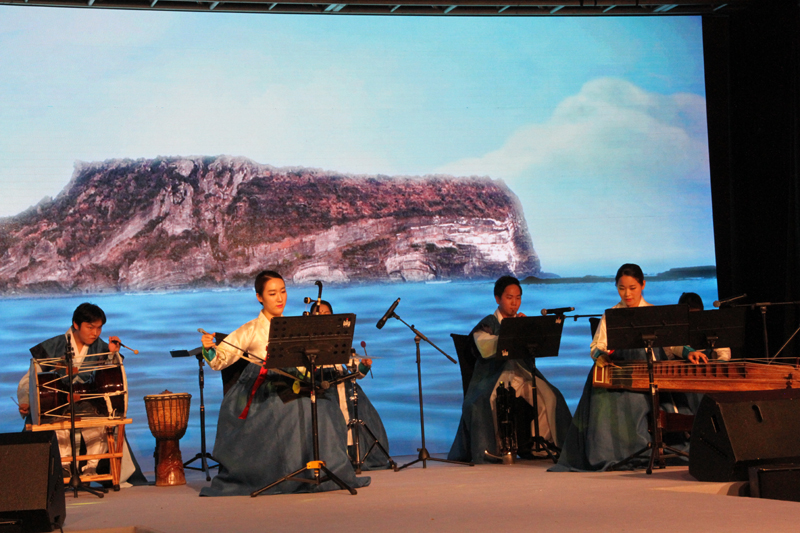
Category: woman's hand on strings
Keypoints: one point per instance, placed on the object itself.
(697, 357)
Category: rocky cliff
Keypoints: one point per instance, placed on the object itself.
(167, 223)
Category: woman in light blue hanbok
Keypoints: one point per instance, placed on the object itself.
(264, 431)
(610, 425)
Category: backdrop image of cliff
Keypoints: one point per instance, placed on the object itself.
(203, 456)
(649, 328)
(423, 456)
(775, 482)
(31, 487)
(532, 337)
(310, 341)
(736, 430)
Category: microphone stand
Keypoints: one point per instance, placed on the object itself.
(762, 306)
(424, 456)
(203, 456)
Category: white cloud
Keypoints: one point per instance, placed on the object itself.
(614, 171)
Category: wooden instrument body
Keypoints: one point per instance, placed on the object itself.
(49, 390)
(683, 376)
(168, 418)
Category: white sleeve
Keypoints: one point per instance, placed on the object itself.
(226, 354)
(486, 343)
(599, 344)
(23, 390)
(722, 354)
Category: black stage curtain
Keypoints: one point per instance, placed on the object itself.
(753, 95)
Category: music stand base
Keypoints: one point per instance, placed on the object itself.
(314, 466)
(203, 458)
(657, 456)
(75, 484)
(424, 456)
(541, 445)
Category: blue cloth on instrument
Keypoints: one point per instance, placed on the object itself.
(611, 425)
(476, 430)
(276, 439)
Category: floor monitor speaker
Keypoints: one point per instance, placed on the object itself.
(31, 482)
(734, 431)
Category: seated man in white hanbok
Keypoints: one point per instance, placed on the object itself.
(477, 431)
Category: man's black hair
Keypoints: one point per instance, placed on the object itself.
(87, 312)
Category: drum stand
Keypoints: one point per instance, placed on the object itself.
(75, 483)
(354, 424)
(203, 455)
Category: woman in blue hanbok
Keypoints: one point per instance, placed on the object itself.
(264, 431)
(477, 430)
(610, 425)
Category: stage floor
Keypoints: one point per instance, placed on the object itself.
(443, 497)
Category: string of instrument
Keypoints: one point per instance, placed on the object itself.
(683, 376)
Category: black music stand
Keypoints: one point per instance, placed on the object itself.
(203, 456)
(310, 341)
(532, 337)
(717, 329)
(649, 327)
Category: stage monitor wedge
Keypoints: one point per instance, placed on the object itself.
(734, 431)
(31, 483)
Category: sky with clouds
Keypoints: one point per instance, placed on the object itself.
(597, 124)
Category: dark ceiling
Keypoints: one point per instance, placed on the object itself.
(502, 8)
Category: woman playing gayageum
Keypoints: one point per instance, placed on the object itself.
(264, 431)
(611, 425)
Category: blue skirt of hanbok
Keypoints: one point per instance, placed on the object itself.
(610, 425)
(276, 439)
(476, 430)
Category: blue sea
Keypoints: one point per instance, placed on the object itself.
(155, 323)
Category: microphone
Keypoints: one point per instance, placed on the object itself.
(388, 314)
(720, 303)
(557, 311)
(364, 345)
(307, 300)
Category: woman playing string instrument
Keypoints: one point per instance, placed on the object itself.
(611, 425)
(264, 431)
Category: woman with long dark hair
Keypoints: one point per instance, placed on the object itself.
(610, 425)
(264, 431)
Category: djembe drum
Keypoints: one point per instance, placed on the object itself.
(168, 417)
